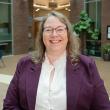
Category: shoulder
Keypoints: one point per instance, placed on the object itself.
(24, 62)
(86, 60)
(91, 68)
(25, 59)
(89, 65)
(27, 62)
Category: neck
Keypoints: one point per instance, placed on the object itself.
(53, 56)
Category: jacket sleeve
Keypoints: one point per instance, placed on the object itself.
(100, 96)
(11, 101)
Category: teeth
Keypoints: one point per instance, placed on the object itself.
(55, 41)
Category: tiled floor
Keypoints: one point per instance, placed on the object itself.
(104, 70)
(7, 72)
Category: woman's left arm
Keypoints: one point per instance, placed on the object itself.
(100, 98)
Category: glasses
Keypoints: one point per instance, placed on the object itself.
(58, 30)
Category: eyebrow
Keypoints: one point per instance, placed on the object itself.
(52, 27)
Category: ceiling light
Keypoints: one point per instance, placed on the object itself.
(67, 9)
(53, 4)
(37, 9)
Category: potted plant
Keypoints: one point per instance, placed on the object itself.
(85, 30)
(106, 52)
(85, 25)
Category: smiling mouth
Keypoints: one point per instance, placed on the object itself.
(55, 41)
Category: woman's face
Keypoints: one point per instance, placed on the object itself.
(55, 35)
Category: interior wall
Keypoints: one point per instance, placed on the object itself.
(105, 20)
(76, 7)
(44, 12)
(20, 27)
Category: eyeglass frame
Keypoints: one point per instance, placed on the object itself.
(55, 29)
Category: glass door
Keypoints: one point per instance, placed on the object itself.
(5, 27)
(93, 8)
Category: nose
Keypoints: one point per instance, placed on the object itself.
(54, 33)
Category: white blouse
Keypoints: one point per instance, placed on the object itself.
(51, 92)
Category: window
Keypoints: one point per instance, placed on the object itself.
(93, 8)
(5, 27)
(5, 1)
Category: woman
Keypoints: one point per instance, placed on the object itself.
(57, 76)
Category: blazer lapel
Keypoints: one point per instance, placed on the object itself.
(32, 84)
(73, 82)
(73, 78)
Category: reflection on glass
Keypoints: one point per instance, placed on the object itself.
(94, 11)
(7, 1)
(5, 28)
(99, 14)
(93, 8)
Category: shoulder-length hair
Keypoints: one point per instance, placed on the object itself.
(73, 45)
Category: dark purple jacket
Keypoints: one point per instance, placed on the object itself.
(85, 89)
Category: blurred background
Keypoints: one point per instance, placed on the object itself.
(19, 25)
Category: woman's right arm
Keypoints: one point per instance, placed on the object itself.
(11, 101)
